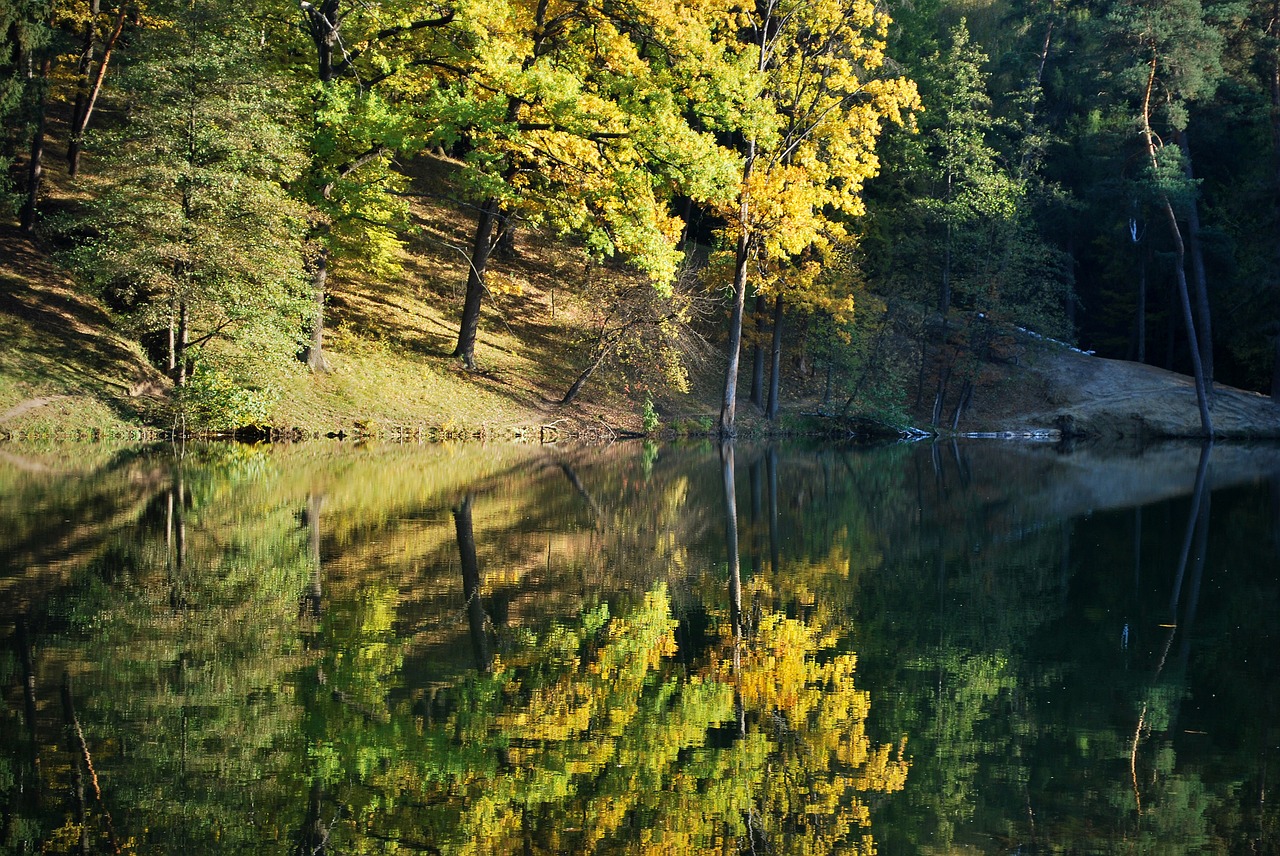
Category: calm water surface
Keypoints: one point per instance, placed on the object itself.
(980, 648)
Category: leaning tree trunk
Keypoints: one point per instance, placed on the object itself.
(1204, 327)
(775, 372)
(88, 95)
(481, 247)
(1180, 262)
(1197, 367)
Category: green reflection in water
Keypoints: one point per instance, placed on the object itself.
(639, 649)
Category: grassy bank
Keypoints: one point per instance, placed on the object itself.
(66, 372)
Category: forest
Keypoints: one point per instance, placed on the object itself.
(1102, 172)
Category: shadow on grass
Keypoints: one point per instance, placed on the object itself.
(57, 338)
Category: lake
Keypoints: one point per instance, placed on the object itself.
(979, 647)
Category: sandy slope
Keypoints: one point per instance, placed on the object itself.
(1083, 395)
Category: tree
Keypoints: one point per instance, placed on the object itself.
(195, 235)
(1180, 62)
(809, 96)
(360, 118)
(100, 38)
(25, 60)
(569, 116)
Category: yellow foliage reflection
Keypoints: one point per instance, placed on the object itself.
(597, 739)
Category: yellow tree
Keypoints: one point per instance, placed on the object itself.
(569, 117)
(806, 93)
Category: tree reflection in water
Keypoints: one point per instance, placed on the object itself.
(521, 650)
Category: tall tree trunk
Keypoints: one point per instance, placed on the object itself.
(1204, 325)
(1180, 263)
(314, 355)
(182, 337)
(1184, 298)
(83, 68)
(757, 356)
(729, 404)
(775, 372)
(35, 167)
(944, 288)
(87, 97)
(481, 247)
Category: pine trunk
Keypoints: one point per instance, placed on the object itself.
(1180, 264)
(1204, 326)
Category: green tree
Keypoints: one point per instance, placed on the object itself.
(1179, 55)
(195, 237)
(360, 119)
(25, 56)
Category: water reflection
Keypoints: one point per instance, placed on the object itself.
(640, 649)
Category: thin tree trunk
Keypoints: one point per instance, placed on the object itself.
(757, 356)
(1197, 367)
(84, 105)
(775, 374)
(35, 167)
(481, 247)
(604, 344)
(1204, 326)
(729, 405)
(315, 357)
(944, 289)
(1179, 268)
(83, 68)
(582, 379)
(504, 243)
(180, 346)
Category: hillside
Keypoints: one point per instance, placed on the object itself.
(65, 371)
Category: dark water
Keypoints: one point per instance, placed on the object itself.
(920, 649)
